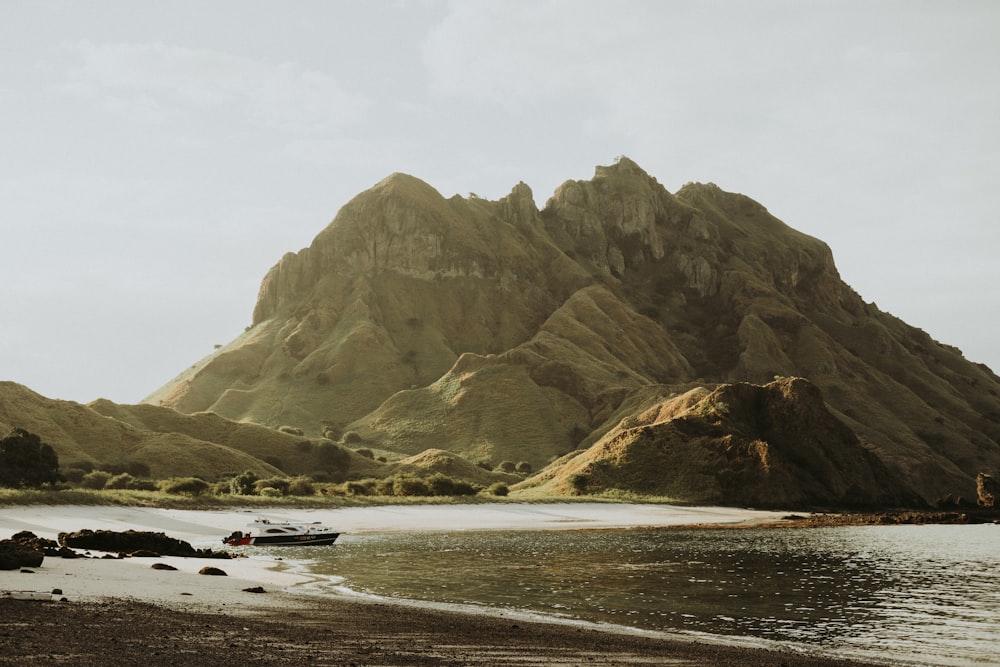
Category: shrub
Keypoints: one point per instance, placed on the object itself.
(290, 430)
(332, 458)
(498, 489)
(301, 486)
(188, 486)
(270, 492)
(278, 483)
(485, 465)
(243, 484)
(441, 485)
(367, 453)
(358, 488)
(303, 447)
(95, 480)
(507, 466)
(579, 482)
(407, 485)
(523, 468)
(352, 437)
(122, 481)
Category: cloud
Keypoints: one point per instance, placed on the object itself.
(152, 82)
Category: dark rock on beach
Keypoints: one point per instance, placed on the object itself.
(14, 555)
(163, 566)
(135, 543)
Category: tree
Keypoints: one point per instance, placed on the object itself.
(27, 461)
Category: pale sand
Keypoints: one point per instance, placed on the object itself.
(133, 578)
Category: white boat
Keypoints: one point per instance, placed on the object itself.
(282, 533)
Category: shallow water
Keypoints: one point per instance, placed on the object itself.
(910, 594)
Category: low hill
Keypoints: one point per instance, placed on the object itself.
(775, 445)
(82, 436)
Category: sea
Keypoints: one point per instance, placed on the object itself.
(905, 595)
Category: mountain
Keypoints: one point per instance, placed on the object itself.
(498, 331)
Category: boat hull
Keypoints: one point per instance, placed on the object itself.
(284, 540)
(294, 540)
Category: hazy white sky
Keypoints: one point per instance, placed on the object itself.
(157, 158)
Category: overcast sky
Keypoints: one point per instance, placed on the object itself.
(157, 158)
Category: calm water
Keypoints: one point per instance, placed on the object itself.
(910, 594)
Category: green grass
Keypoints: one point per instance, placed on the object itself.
(126, 498)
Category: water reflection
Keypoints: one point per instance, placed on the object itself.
(918, 593)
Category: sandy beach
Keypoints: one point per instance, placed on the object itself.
(102, 602)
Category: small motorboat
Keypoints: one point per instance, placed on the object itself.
(264, 532)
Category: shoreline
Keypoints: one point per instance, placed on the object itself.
(407, 632)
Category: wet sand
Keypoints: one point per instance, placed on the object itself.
(336, 632)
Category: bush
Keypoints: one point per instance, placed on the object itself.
(498, 489)
(270, 492)
(441, 485)
(290, 430)
(188, 486)
(485, 465)
(579, 482)
(406, 485)
(279, 483)
(401, 485)
(332, 458)
(243, 484)
(367, 453)
(359, 488)
(523, 468)
(95, 480)
(122, 481)
(352, 437)
(301, 486)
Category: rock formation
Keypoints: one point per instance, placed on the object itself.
(499, 331)
(987, 490)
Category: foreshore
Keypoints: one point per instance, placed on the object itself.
(124, 612)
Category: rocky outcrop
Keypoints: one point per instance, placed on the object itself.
(741, 444)
(131, 542)
(14, 555)
(987, 489)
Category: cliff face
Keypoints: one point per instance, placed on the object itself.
(498, 331)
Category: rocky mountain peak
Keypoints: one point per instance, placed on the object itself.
(505, 332)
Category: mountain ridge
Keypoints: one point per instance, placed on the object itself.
(497, 331)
